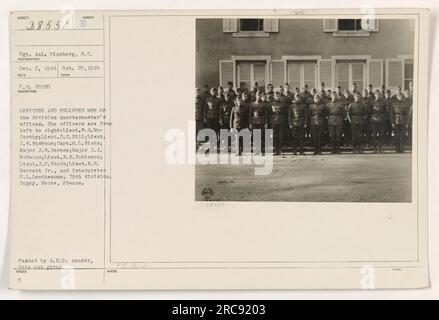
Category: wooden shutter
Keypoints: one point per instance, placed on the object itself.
(277, 73)
(259, 72)
(358, 74)
(394, 74)
(293, 74)
(271, 25)
(325, 73)
(343, 75)
(244, 73)
(309, 74)
(227, 72)
(330, 25)
(375, 73)
(358, 71)
(230, 25)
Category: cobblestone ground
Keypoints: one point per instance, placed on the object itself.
(341, 178)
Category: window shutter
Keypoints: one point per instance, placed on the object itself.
(325, 73)
(394, 73)
(294, 74)
(343, 75)
(277, 73)
(271, 25)
(330, 25)
(309, 71)
(358, 71)
(371, 25)
(375, 73)
(309, 74)
(343, 71)
(244, 73)
(227, 72)
(259, 73)
(230, 25)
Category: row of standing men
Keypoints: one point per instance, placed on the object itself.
(371, 117)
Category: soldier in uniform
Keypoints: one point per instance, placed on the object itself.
(354, 88)
(341, 98)
(259, 118)
(278, 114)
(199, 111)
(220, 93)
(377, 118)
(225, 111)
(246, 98)
(347, 135)
(306, 95)
(347, 98)
(307, 98)
(398, 92)
(356, 117)
(399, 119)
(410, 131)
(336, 114)
(367, 108)
(322, 91)
(288, 93)
(297, 122)
(239, 120)
(387, 123)
(281, 91)
(317, 114)
(270, 90)
(383, 90)
(339, 93)
(253, 91)
(370, 92)
(205, 92)
(325, 100)
(269, 97)
(409, 101)
(211, 111)
(231, 92)
(238, 92)
(243, 87)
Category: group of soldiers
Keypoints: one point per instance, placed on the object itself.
(370, 118)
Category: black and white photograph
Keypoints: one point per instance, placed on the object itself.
(304, 168)
(329, 103)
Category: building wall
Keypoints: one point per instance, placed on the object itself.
(296, 37)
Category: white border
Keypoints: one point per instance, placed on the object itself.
(5, 7)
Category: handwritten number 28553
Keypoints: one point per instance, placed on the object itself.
(47, 25)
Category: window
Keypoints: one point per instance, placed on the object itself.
(349, 24)
(399, 73)
(301, 73)
(250, 28)
(251, 24)
(350, 72)
(251, 72)
(351, 27)
(408, 73)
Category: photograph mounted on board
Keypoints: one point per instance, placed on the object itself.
(305, 110)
